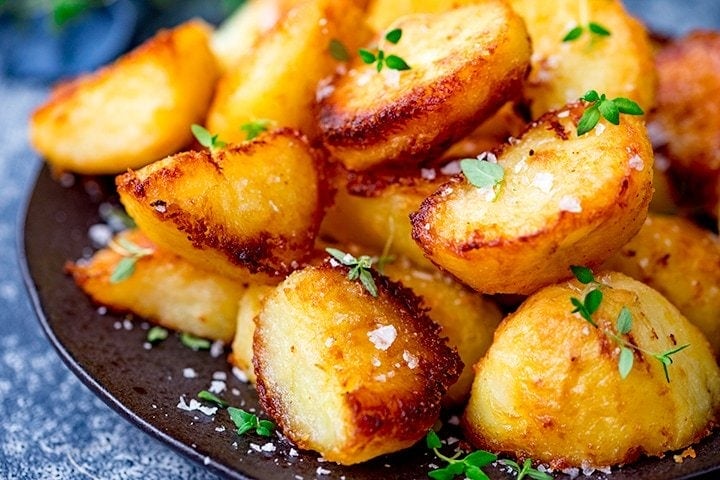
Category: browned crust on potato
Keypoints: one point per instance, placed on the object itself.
(379, 415)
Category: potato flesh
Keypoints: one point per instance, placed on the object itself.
(250, 305)
(465, 63)
(619, 65)
(235, 212)
(277, 81)
(349, 404)
(561, 400)
(565, 200)
(682, 262)
(132, 112)
(164, 289)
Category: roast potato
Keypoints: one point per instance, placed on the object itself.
(467, 318)
(349, 404)
(373, 210)
(619, 65)
(465, 63)
(164, 289)
(681, 261)
(550, 387)
(564, 200)
(382, 13)
(686, 124)
(251, 303)
(133, 112)
(278, 80)
(236, 210)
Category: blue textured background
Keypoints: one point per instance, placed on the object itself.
(51, 426)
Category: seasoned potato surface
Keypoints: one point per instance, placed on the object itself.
(682, 262)
(346, 374)
(686, 123)
(250, 211)
(619, 65)
(564, 200)
(278, 80)
(133, 112)
(464, 63)
(164, 289)
(550, 388)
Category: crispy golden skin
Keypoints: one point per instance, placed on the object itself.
(620, 65)
(345, 374)
(235, 211)
(549, 387)
(133, 112)
(277, 80)
(564, 200)
(250, 306)
(681, 261)
(465, 64)
(467, 318)
(164, 289)
(686, 123)
(373, 209)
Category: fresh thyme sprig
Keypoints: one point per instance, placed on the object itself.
(525, 470)
(212, 398)
(206, 139)
(246, 421)
(623, 326)
(481, 172)
(360, 268)
(193, 342)
(338, 50)
(156, 334)
(595, 29)
(470, 465)
(131, 253)
(380, 59)
(592, 299)
(600, 105)
(255, 128)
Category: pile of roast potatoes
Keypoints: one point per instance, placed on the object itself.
(473, 307)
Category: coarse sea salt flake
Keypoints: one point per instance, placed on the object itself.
(322, 471)
(636, 162)
(240, 375)
(544, 181)
(217, 386)
(570, 204)
(410, 359)
(268, 447)
(383, 337)
(189, 373)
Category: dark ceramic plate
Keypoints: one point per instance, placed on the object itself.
(108, 354)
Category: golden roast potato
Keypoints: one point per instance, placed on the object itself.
(373, 209)
(235, 211)
(381, 13)
(133, 112)
(681, 261)
(618, 65)
(550, 386)
(162, 288)
(685, 126)
(564, 200)
(464, 64)
(349, 404)
(277, 80)
(251, 303)
(467, 318)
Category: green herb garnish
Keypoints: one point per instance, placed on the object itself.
(393, 62)
(470, 465)
(211, 397)
(623, 326)
(246, 421)
(131, 253)
(156, 334)
(206, 139)
(600, 105)
(338, 50)
(360, 268)
(255, 128)
(482, 173)
(193, 342)
(595, 29)
(526, 470)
